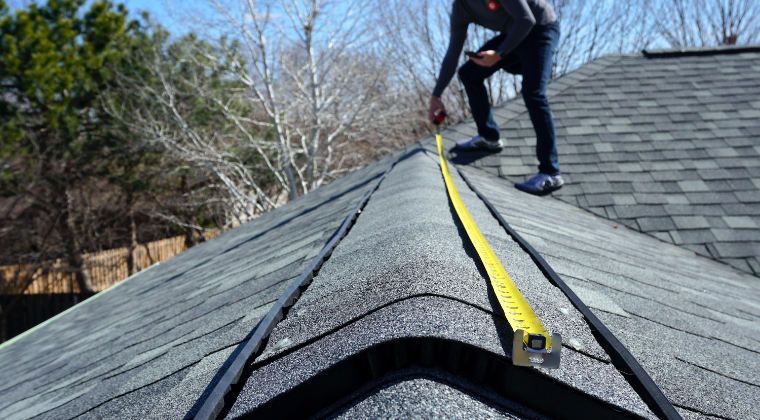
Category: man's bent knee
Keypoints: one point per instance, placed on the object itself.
(535, 100)
(468, 73)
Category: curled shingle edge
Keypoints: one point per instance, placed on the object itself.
(622, 359)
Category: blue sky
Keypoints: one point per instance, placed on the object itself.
(157, 8)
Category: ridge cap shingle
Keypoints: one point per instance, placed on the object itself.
(692, 51)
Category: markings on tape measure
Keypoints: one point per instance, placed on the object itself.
(532, 346)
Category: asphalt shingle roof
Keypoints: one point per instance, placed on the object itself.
(405, 275)
(693, 324)
(151, 347)
(667, 143)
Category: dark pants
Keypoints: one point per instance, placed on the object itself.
(534, 54)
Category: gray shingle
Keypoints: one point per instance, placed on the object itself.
(655, 224)
(710, 198)
(719, 186)
(737, 250)
(711, 174)
(697, 236)
(676, 199)
(691, 222)
(740, 222)
(624, 199)
(748, 196)
(649, 187)
(639, 211)
(596, 200)
(741, 209)
(632, 177)
(428, 393)
(735, 235)
(693, 186)
(650, 198)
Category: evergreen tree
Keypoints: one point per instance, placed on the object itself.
(55, 59)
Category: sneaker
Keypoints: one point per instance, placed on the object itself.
(541, 184)
(479, 143)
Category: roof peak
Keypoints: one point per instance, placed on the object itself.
(691, 51)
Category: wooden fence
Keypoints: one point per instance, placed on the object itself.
(104, 268)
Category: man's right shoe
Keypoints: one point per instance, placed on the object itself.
(541, 184)
(479, 143)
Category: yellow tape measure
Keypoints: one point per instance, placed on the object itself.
(532, 345)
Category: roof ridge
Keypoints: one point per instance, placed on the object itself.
(217, 400)
(696, 51)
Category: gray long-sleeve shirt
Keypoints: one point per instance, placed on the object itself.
(517, 17)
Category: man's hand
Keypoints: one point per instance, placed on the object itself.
(435, 104)
(487, 58)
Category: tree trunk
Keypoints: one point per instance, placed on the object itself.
(285, 158)
(131, 266)
(76, 263)
(192, 236)
(73, 248)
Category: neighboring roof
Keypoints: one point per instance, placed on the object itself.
(667, 143)
(400, 319)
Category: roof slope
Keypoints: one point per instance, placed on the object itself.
(153, 345)
(692, 323)
(666, 143)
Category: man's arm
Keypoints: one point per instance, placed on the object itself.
(524, 22)
(457, 37)
(450, 61)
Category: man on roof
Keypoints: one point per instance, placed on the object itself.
(528, 38)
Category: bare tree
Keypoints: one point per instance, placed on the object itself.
(699, 23)
(184, 99)
(290, 87)
(311, 67)
(592, 28)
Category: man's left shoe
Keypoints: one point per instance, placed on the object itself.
(541, 184)
(479, 143)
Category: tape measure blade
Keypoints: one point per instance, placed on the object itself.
(516, 309)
